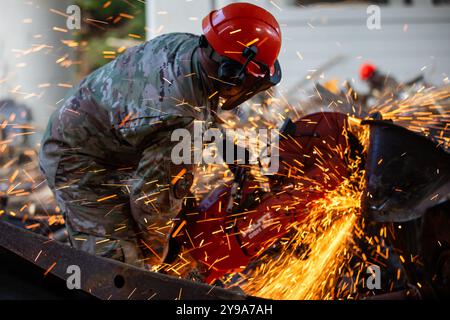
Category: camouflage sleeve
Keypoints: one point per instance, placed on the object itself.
(143, 131)
(159, 186)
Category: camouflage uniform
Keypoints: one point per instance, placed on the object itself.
(106, 151)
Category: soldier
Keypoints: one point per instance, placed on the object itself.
(106, 152)
(380, 85)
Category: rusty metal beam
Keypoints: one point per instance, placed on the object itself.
(104, 278)
(397, 295)
(406, 174)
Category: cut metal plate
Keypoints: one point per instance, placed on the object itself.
(406, 174)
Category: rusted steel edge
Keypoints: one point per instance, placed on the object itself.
(105, 278)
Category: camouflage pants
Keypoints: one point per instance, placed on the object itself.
(96, 209)
(120, 250)
(105, 226)
(95, 202)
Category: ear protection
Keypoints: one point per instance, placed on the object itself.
(230, 71)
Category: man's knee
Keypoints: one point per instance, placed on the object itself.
(126, 251)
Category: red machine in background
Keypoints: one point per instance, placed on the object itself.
(236, 223)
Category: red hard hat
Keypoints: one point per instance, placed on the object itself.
(239, 25)
(366, 71)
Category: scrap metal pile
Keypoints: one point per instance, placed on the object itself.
(376, 193)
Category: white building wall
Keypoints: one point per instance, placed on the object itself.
(176, 16)
(411, 40)
(29, 49)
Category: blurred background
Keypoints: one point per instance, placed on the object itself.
(41, 58)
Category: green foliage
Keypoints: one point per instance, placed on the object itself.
(118, 19)
(97, 9)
